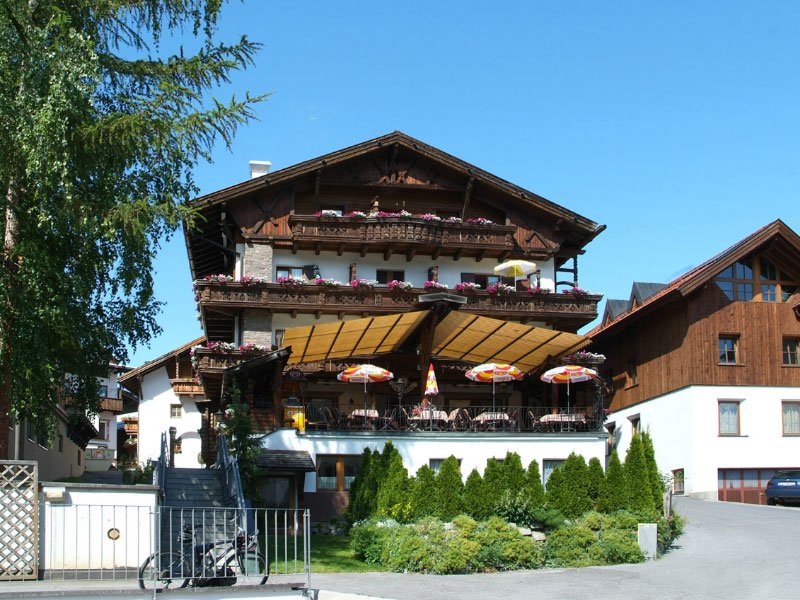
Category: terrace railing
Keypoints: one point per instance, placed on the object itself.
(473, 419)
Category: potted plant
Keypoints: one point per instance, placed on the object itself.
(363, 284)
(290, 282)
(575, 291)
(499, 289)
(538, 291)
(327, 282)
(479, 221)
(434, 285)
(399, 286)
(467, 287)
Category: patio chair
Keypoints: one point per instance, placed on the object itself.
(319, 421)
(388, 421)
(459, 420)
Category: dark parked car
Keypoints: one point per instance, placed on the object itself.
(784, 487)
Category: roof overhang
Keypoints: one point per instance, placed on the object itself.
(459, 336)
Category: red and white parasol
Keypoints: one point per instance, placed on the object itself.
(494, 372)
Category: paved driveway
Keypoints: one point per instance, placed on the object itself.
(728, 551)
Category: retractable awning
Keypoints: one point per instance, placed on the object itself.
(459, 336)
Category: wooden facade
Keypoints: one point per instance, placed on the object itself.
(393, 199)
(672, 341)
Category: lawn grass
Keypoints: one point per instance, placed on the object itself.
(329, 554)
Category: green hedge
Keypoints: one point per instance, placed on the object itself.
(429, 546)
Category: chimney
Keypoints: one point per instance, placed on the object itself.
(259, 168)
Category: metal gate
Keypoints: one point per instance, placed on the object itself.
(19, 549)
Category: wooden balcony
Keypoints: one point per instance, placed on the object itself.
(563, 311)
(186, 386)
(131, 425)
(111, 404)
(401, 235)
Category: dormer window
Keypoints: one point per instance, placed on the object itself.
(757, 279)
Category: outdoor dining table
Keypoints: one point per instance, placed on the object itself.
(365, 416)
(564, 419)
(491, 420)
(436, 418)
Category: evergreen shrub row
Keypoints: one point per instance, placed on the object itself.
(591, 515)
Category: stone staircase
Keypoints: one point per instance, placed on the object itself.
(195, 498)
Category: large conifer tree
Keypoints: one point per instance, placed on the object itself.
(99, 131)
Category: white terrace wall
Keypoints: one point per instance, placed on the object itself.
(90, 526)
(418, 448)
(684, 426)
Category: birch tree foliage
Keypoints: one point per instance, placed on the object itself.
(99, 132)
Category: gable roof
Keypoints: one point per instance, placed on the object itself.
(641, 291)
(615, 308)
(131, 378)
(777, 235)
(571, 219)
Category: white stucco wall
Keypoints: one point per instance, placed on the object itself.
(74, 531)
(154, 418)
(338, 267)
(684, 426)
(417, 449)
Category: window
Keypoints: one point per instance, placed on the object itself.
(636, 424)
(756, 279)
(548, 466)
(677, 481)
(729, 417)
(102, 391)
(486, 279)
(384, 276)
(335, 473)
(337, 208)
(175, 411)
(728, 349)
(791, 418)
(791, 351)
(278, 335)
(104, 427)
(304, 272)
(60, 443)
(436, 464)
(632, 374)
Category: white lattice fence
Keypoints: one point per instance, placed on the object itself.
(18, 520)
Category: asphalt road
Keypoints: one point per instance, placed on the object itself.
(728, 551)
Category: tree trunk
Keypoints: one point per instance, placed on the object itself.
(8, 268)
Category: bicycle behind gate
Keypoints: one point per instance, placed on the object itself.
(216, 562)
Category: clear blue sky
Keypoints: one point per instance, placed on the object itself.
(675, 124)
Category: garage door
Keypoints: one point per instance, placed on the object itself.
(743, 485)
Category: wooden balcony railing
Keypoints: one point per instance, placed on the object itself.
(131, 425)
(374, 234)
(344, 299)
(111, 404)
(186, 386)
(206, 360)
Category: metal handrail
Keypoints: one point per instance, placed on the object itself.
(231, 479)
(160, 473)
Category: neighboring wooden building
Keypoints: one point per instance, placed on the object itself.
(710, 365)
(280, 257)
